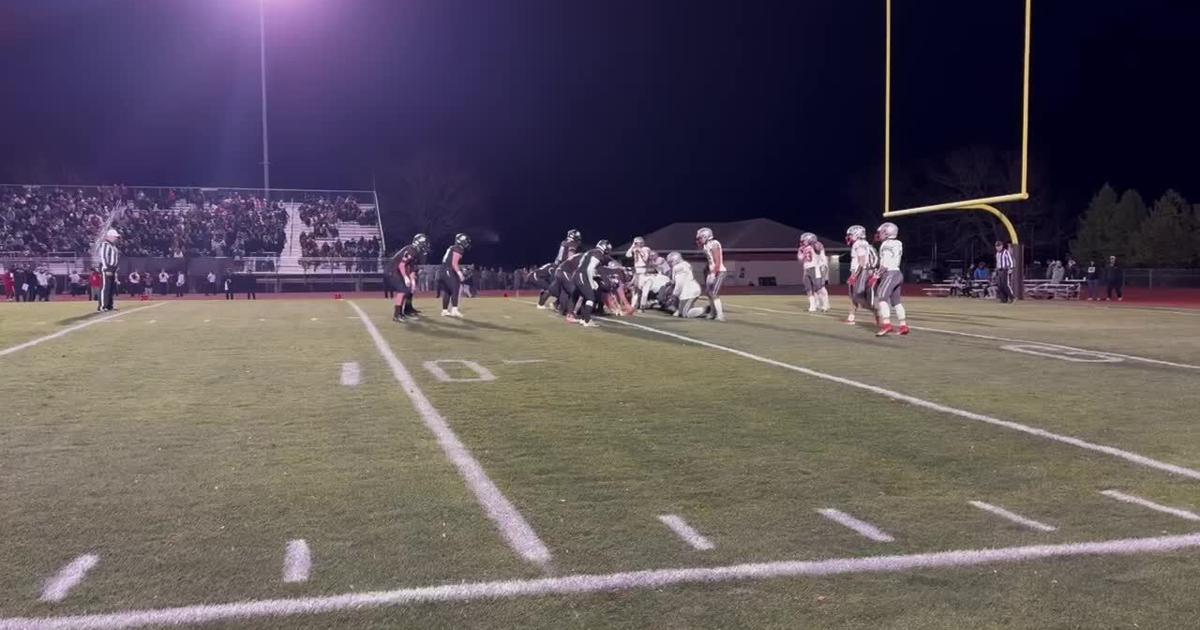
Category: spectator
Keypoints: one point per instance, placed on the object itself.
(1057, 272)
(1093, 281)
(228, 286)
(44, 278)
(95, 282)
(1114, 277)
(163, 279)
(8, 284)
(180, 284)
(212, 284)
(251, 285)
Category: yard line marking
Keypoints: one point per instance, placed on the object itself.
(1052, 352)
(207, 320)
(651, 579)
(153, 321)
(512, 524)
(864, 528)
(943, 331)
(1129, 456)
(70, 329)
(297, 561)
(522, 361)
(482, 374)
(1013, 516)
(350, 374)
(68, 578)
(1166, 509)
(689, 535)
(312, 319)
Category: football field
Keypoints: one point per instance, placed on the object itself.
(311, 464)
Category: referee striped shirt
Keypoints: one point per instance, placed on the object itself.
(1004, 259)
(109, 255)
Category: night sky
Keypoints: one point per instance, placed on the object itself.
(615, 117)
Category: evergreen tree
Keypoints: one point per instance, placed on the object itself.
(1127, 220)
(1167, 236)
(1093, 241)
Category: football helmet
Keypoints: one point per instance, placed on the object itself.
(604, 246)
(421, 242)
(808, 238)
(704, 235)
(855, 233)
(574, 235)
(886, 230)
(462, 240)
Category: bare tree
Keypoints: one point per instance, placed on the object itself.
(434, 195)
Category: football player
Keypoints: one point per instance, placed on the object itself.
(889, 279)
(451, 276)
(715, 274)
(543, 279)
(404, 272)
(586, 278)
(863, 260)
(641, 255)
(563, 287)
(686, 290)
(811, 255)
(569, 246)
(654, 283)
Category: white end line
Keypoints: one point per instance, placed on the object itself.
(1013, 516)
(70, 329)
(864, 528)
(1128, 456)
(297, 561)
(68, 578)
(577, 584)
(689, 535)
(512, 524)
(350, 374)
(1166, 509)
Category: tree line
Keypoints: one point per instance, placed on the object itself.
(1121, 225)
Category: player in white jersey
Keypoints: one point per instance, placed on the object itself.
(863, 261)
(687, 290)
(716, 271)
(811, 255)
(889, 279)
(641, 255)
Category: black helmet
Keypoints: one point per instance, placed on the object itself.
(421, 242)
(462, 240)
(604, 246)
(574, 235)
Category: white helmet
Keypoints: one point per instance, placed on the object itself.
(674, 258)
(808, 238)
(704, 235)
(887, 230)
(639, 241)
(855, 233)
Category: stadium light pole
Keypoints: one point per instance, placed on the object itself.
(262, 62)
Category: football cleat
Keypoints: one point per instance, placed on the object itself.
(589, 324)
(542, 307)
(884, 330)
(904, 329)
(445, 313)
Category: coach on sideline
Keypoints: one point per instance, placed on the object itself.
(110, 257)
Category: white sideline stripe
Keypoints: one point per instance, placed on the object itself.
(577, 584)
(1053, 352)
(522, 361)
(864, 528)
(70, 329)
(297, 561)
(153, 321)
(1166, 509)
(689, 535)
(1128, 456)
(68, 578)
(350, 374)
(943, 331)
(513, 527)
(1013, 516)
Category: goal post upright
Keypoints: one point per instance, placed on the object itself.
(984, 204)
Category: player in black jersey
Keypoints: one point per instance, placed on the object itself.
(450, 277)
(563, 285)
(585, 278)
(403, 276)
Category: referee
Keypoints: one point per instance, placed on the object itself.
(110, 257)
(1004, 269)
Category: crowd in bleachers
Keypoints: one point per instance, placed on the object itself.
(44, 219)
(321, 214)
(212, 223)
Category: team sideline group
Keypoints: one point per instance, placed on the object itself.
(587, 282)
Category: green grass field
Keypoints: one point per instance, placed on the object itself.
(185, 444)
